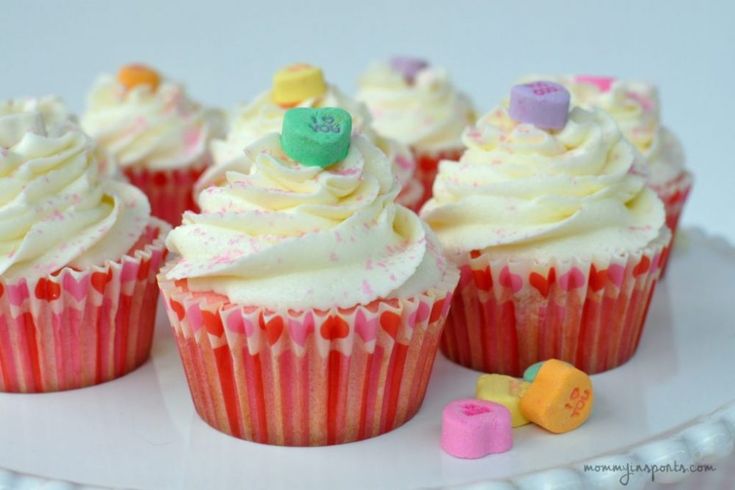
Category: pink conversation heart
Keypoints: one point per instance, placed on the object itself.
(408, 67)
(473, 428)
(543, 104)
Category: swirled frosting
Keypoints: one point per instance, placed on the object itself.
(158, 129)
(263, 116)
(636, 108)
(54, 113)
(55, 211)
(429, 114)
(522, 191)
(284, 235)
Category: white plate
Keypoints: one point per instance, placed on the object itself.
(672, 403)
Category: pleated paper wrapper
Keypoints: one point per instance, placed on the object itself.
(427, 166)
(306, 378)
(507, 315)
(170, 192)
(674, 194)
(78, 328)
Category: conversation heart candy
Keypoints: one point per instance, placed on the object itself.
(316, 137)
(531, 371)
(473, 428)
(408, 67)
(602, 83)
(296, 83)
(506, 391)
(133, 75)
(560, 399)
(543, 104)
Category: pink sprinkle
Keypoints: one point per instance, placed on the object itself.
(366, 288)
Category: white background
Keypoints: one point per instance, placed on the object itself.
(226, 52)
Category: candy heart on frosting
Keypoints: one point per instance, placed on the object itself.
(408, 67)
(137, 74)
(543, 104)
(296, 83)
(316, 137)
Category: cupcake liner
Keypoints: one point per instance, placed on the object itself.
(412, 195)
(674, 194)
(170, 192)
(427, 166)
(74, 328)
(507, 315)
(306, 378)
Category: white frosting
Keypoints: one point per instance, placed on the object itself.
(429, 114)
(522, 191)
(263, 116)
(55, 211)
(157, 129)
(284, 235)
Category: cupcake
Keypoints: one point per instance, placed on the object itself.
(636, 109)
(78, 258)
(306, 304)
(302, 85)
(155, 133)
(417, 105)
(559, 240)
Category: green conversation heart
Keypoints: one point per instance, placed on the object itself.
(316, 137)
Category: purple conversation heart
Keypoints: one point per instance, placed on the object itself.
(408, 66)
(543, 104)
